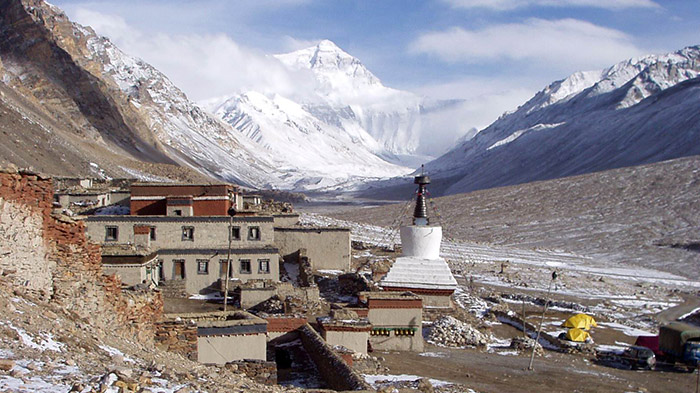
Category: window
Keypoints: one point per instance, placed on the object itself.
(188, 234)
(263, 266)
(202, 266)
(254, 233)
(235, 233)
(177, 212)
(245, 266)
(111, 234)
(152, 233)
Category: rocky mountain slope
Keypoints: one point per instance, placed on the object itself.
(636, 112)
(74, 104)
(636, 216)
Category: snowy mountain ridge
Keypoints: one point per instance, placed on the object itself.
(638, 111)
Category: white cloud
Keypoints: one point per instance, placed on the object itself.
(484, 100)
(565, 44)
(202, 65)
(291, 44)
(506, 5)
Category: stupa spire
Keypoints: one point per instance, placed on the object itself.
(420, 213)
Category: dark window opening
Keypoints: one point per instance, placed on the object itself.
(254, 233)
(188, 233)
(245, 266)
(177, 212)
(236, 233)
(111, 234)
(152, 233)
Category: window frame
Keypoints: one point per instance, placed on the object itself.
(199, 265)
(235, 229)
(260, 266)
(109, 238)
(250, 233)
(152, 234)
(240, 266)
(189, 238)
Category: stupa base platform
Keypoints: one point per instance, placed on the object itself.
(432, 298)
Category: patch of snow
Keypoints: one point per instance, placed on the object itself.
(331, 272)
(690, 313)
(375, 380)
(628, 331)
(517, 134)
(115, 352)
(434, 354)
(208, 296)
(113, 210)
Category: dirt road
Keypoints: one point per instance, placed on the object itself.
(554, 372)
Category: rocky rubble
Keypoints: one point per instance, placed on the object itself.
(44, 348)
(451, 332)
(524, 344)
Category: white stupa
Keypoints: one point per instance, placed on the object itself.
(420, 269)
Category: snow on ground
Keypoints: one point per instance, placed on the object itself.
(208, 296)
(377, 381)
(629, 331)
(697, 310)
(115, 352)
(114, 210)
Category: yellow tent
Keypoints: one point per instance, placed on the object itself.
(577, 334)
(580, 321)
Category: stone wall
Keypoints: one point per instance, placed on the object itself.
(258, 370)
(337, 374)
(63, 267)
(178, 336)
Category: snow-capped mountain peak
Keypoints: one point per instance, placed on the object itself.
(335, 68)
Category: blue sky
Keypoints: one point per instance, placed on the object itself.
(495, 51)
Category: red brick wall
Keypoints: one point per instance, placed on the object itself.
(148, 208)
(211, 208)
(284, 324)
(142, 229)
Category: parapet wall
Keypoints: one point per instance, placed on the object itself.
(337, 374)
(258, 370)
(178, 336)
(49, 257)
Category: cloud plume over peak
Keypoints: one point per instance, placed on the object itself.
(566, 44)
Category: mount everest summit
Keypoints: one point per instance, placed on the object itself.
(349, 121)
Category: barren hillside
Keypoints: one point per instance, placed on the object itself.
(646, 216)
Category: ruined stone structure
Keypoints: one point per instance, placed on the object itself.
(49, 257)
(420, 269)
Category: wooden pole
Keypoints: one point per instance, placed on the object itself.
(539, 328)
(523, 317)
